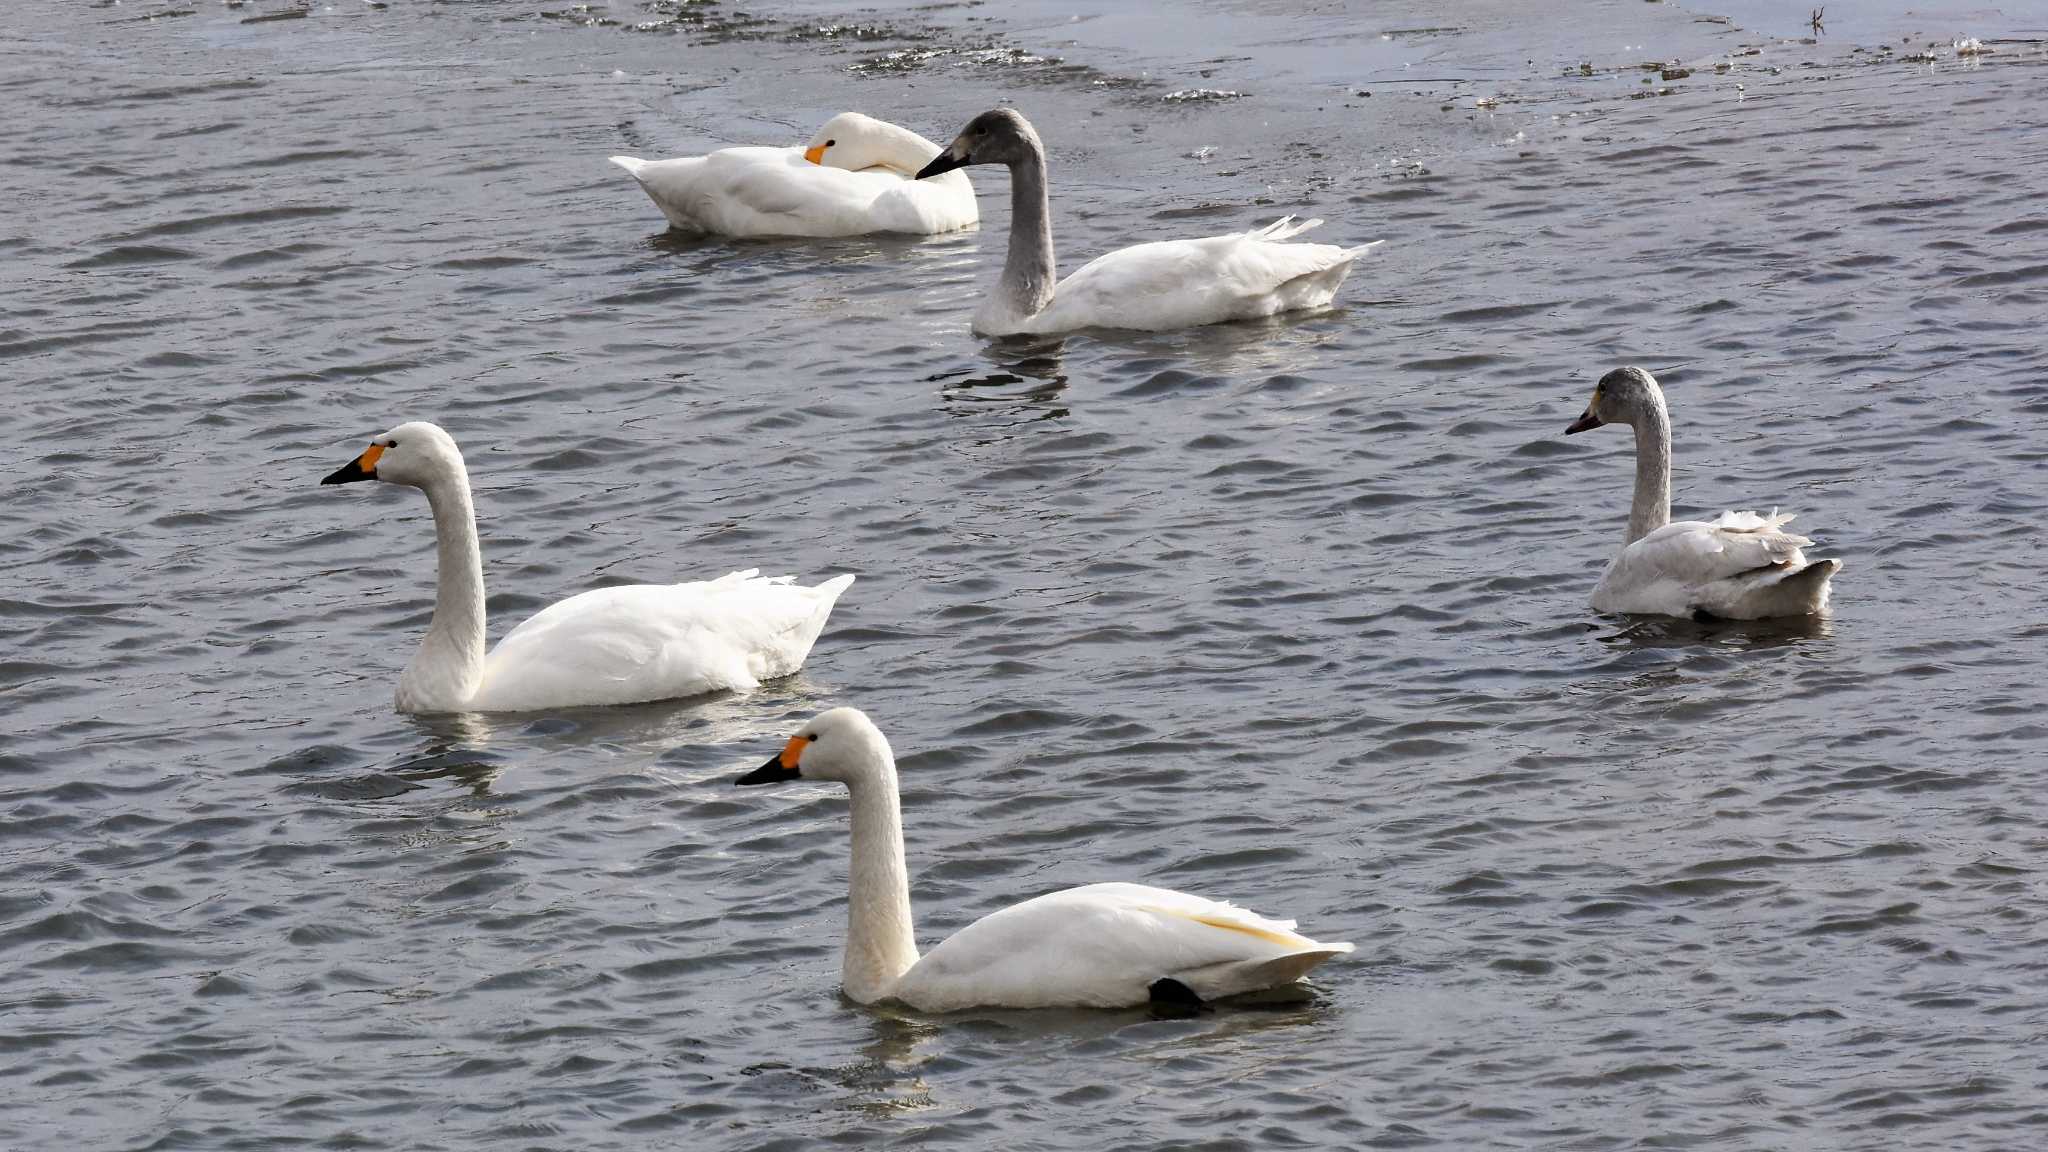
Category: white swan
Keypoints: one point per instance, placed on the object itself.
(1101, 946)
(1739, 566)
(606, 646)
(855, 177)
(1162, 285)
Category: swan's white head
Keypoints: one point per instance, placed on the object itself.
(853, 142)
(997, 136)
(842, 744)
(414, 454)
(1623, 396)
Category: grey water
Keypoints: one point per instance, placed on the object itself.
(1290, 613)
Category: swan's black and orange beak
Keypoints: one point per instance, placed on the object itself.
(783, 767)
(956, 155)
(815, 155)
(363, 467)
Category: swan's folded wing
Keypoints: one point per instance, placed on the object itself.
(657, 641)
(1175, 283)
(942, 203)
(1262, 261)
(786, 195)
(1700, 551)
(1102, 945)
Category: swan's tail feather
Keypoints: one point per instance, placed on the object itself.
(1238, 977)
(1788, 591)
(1282, 229)
(829, 590)
(1362, 249)
(632, 164)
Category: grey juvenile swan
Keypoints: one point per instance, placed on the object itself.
(1740, 566)
(1153, 287)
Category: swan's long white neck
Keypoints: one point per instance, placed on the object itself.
(1029, 271)
(880, 943)
(903, 150)
(449, 667)
(1651, 509)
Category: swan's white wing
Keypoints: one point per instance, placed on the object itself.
(1103, 946)
(926, 207)
(1728, 566)
(1182, 283)
(656, 642)
(776, 192)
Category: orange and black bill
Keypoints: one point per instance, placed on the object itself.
(783, 767)
(363, 467)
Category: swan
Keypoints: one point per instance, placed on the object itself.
(606, 646)
(1740, 566)
(1153, 287)
(852, 179)
(1099, 946)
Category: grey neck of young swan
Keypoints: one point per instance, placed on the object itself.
(1652, 507)
(1028, 270)
(448, 668)
(880, 943)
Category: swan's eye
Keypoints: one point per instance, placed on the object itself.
(830, 143)
(391, 443)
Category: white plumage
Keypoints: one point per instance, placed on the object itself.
(606, 646)
(657, 642)
(1103, 946)
(1098, 946)
(854, 178)
(1167, 284)
(1739, 565)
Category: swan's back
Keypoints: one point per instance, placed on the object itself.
(1740, 566)
(755, 191)
(1183, 283)
(1104, 945)
(657, 642)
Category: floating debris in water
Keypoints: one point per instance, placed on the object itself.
(1203, 153)
(1970, 47)
(1486, 101)
(1185, 95)
(1675, 73)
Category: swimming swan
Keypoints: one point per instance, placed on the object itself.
(1739, 566)
(854, 178)
(1157, 286)
(1101, 946)
(605, 646)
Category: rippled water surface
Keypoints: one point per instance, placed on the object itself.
(1290, 613)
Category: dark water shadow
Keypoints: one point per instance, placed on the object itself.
(885, 1075)
(1660, 632)
(827, 249)
(1029, 376)
(1289, 343)
(1286, 1007)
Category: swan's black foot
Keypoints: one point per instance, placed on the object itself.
(1173, 1000)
